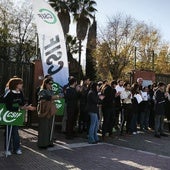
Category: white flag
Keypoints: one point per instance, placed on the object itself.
(51, 42)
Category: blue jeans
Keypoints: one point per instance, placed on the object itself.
(144, 119)
(159, 124)
(94, 123)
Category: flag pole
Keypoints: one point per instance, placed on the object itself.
(8, 139)
(52, 128)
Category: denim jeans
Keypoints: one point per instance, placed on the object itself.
(94, 123)
(144, 119)
(159, 124)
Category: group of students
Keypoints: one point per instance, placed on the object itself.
(94, 105)
(103, 105)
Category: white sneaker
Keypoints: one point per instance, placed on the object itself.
(18, 152)
(8, 153)
(134, 133)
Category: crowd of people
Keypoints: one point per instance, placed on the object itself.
(118, 105)
(93, 107)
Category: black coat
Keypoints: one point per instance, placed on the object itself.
(159, 102)
(71, 98)
(92, 102)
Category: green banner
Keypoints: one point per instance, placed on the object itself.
(11, 118)
(56, 88)
(60, 104)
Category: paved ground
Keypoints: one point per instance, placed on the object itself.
(141, 151)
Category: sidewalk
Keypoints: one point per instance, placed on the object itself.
(141, 151)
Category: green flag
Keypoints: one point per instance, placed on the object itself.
(11, 118)
(60, 104)
(56, 88)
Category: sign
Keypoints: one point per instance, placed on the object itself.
(11, 118)
(60, 104)
(56, 88)
(51, 41)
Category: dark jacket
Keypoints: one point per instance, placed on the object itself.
(167, 108)
(92, 102)
(14, 100)
(71, 98)
(159, 102)
(109, 99)
(46, 106)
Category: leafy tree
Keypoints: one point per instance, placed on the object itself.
(63, 10)
(72, 48)
(83, 11)
(17, 32)
(24, 35)
(91, 46)
(6, 22)
(124, 41)
(115, 45)
(162, 61)
(147, 45)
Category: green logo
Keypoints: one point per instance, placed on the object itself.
(60, 104)
(11, 118)
(47, 16)
(55, 88)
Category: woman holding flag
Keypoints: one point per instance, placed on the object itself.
(46, 112)
(14, 101)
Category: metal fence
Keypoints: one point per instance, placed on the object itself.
(22, 70)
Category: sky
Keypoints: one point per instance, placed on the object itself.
(155, 12)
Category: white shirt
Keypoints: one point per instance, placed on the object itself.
(126, 96)
(119, 88)
(145, 96)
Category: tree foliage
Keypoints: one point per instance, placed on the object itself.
(91, 46)
(122, 41)
(82, 12)
(115, 44)
(162, 61)
(17, 32)
(63, 10)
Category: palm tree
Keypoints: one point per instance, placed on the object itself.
(91, 46)
(83, 11)
(63, 9)
(72, 48)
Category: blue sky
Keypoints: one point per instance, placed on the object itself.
(155, 12)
